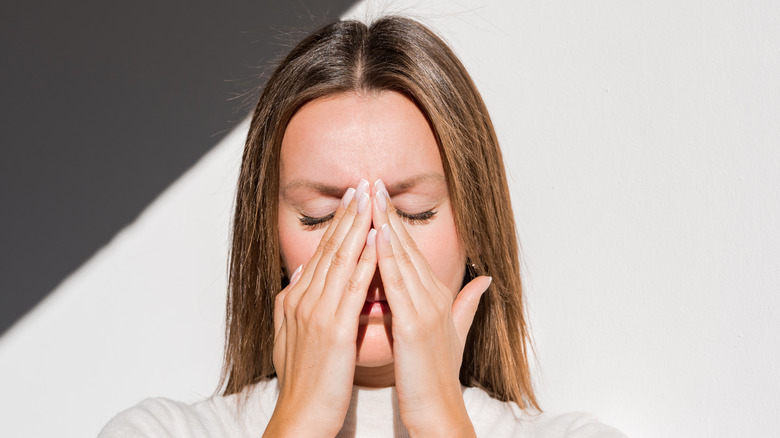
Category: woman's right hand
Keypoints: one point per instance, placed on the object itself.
(316, 323)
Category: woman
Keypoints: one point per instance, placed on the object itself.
(370, 309)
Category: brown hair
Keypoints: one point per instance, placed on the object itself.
(394, 54)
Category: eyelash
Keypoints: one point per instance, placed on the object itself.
(417, 218)
(313, 223)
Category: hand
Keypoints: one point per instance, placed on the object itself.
(429, 327)
(316, 323)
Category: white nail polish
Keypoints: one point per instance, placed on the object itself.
(362, 187)
(295, 275)
(371, 239)
(379, 185)
(347, 197)
(362, 203)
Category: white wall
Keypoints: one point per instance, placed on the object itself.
(143, 317)
(643, 146)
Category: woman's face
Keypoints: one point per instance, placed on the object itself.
(330, 145)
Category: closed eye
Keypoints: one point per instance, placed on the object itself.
(416, 218)
(313, 223)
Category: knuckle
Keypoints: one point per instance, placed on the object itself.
(404, 258)
(409, 243)
(330, 246)
(351, 208)
(412, 330)
(339, 335)
(279, 300)
(352, 286)
(301, 313)
(340, 259)
(289, 307)
(397, 282)
(365, 256)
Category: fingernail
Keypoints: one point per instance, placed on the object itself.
(371, 239)
(381, 201)
(362, 187)
(386, 232)
(379, 185)
(362, 202)
(347, 197)
(490, 280)
(296, 275)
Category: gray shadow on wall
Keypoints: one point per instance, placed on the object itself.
(106, 104)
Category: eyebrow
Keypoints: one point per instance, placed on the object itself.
(410, 183)
(337, 192)
(325, 189)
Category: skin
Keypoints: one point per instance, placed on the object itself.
(377, 300)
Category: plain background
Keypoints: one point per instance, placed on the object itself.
(105, 105)
(642, 143)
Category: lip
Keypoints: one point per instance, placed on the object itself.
(374, 312)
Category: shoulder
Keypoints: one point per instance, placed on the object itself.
(215, 416)
(574, 425)
(494, 418)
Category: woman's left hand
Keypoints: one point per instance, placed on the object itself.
(429, 327)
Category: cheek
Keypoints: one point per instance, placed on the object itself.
(440, 245)
(296, 244)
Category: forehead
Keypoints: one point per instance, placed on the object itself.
(342, 138)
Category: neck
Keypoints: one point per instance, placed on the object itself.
(375, 377)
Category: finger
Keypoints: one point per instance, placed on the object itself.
(311, 265)
(354, 296)
(393, 280)
(279, 302)
(418, 292)
(411, 263)
(328, 248)
(280, 334)
(279, 354)
(466, 303)
(312, 278)
(345, 260)
(385, 213)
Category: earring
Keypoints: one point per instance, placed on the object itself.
(470, 272)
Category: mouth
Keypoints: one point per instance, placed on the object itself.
(375, 308)
(374, 312)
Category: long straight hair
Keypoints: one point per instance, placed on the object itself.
(401, 55)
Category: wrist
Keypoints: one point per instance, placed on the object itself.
(452, 427)
(450, 420)
(284, 427)
(292, 423)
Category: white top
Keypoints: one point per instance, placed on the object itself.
(218, 416)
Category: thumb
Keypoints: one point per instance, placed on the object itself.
(466, 303)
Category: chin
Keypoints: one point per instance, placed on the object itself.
(375, 346)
